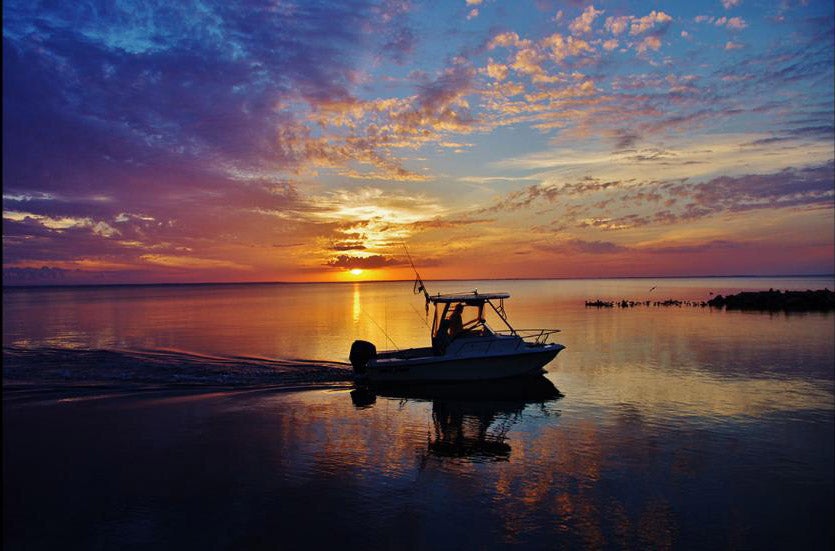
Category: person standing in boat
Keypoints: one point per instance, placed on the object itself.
(456, 324)
(448, 329)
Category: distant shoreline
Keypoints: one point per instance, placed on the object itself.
(256, 283)
(819, 300)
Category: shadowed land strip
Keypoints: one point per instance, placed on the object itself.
(635, 303)
(762, 301)
(775, 301)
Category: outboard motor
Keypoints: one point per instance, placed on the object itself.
(361, 353)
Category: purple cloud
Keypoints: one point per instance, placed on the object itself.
(365, 263)
(44, 274)
(400, 45)
(582, 246)
(710, 246)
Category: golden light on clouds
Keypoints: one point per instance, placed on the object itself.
(190, 262)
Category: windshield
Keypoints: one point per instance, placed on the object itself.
(455, 317)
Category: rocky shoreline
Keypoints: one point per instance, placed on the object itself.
(635, 303)
(775, 301)
(763, 301)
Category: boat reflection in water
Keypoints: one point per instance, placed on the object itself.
(470, 419)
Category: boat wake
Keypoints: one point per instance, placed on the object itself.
(135, 368)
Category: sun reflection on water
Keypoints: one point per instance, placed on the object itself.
(356, 310)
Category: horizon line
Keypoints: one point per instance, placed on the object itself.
(215, 283)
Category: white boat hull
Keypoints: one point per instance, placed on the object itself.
(411, 366)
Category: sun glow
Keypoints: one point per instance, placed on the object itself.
(356, 271)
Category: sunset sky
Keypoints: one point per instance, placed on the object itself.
(151, 142)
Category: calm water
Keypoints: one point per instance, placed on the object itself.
(677, 427)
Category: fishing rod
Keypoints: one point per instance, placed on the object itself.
(415, 310)
(394, 344)
(419, 286)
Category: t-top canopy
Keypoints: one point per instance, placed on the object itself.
(474, 296)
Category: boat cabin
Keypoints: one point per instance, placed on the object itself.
(461, 316)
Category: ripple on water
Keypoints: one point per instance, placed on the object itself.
(162, 367)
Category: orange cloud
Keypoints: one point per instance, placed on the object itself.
(583, 23)
(640, 25)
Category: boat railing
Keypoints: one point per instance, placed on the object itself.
(536, 337)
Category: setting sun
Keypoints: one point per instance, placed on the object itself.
(356, 271)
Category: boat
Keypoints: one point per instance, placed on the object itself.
(464, 347)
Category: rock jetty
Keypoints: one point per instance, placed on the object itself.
(635, 303)
(762, 301)
(776, 301)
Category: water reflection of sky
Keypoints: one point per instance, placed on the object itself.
(584, 474)
(678, 426)
(320, 320)
(672, 395)
(665, 361)
(564, 472)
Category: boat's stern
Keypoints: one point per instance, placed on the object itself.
(362, 352)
